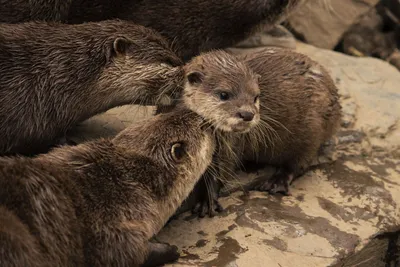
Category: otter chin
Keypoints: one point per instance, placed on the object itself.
(239, 124)
(223, 90)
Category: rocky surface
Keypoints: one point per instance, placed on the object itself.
(323, 22)
(335, 210)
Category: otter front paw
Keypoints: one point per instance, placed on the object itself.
(208, 206)
(279, 183)
(160, 254)
(207, 200)
(64, 140)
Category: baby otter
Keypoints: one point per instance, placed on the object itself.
(299, 110)
(53, 76)
(224, 90)
(98, 203)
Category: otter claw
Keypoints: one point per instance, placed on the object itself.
(207, 207)
(62, 141)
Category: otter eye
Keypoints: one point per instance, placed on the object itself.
(256, 98)
(223, 96)
(178, 151)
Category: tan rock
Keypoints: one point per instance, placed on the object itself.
(323, 22)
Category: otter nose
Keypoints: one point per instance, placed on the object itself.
(245, 115)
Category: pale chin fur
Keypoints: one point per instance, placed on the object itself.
(232, 123)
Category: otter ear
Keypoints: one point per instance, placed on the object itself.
(195, 77)
(121, 45)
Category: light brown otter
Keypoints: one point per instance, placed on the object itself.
(299, 111)
(99, 203)
(53, 76)
(224, 90)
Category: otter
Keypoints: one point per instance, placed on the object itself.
(99, 203)
(194, 26)
(224, 90)
(53, 76)
(299, 110)
(28, 10)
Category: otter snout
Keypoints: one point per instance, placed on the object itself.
(245, 115)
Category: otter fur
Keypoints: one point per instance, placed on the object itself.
(99, 203)
(299, 110)
(225, 91)
(53, 76)
(194, 26)
(17, 11)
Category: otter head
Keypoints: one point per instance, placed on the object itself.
(141, 65)
(178, 147)
(223, 90)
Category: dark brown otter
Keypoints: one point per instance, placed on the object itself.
(195, 26)
(99, 203)
(15, 11)
(53, 76)
(299, 111)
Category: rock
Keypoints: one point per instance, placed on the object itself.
(278, 36)
(336, 209)
(322, 23)
(394, 59)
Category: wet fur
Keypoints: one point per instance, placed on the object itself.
(299, 107)
(98, 203)
(15, 11)
(200, 26)
(217, 72)
(299, 111)
(53, 76)
(194, 26)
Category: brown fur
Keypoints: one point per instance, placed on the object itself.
(195, 26)
(53, 76)
(98, 203)
(15, 11)
(299, 111)
(214, 73)
(299, 106)
(209, 75)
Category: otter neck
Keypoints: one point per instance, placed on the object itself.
(170, 203)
